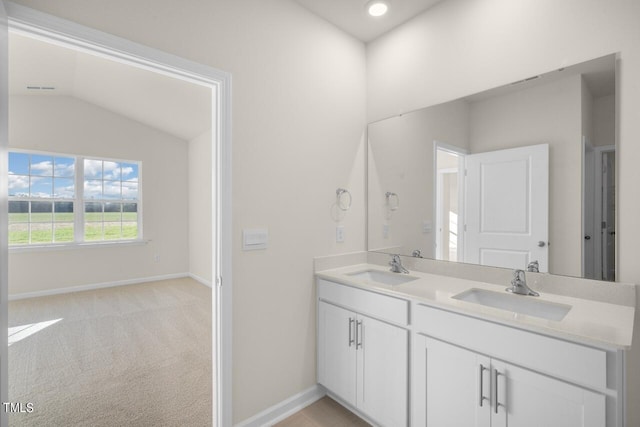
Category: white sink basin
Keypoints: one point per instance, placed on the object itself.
(517, 303)
(383, 277)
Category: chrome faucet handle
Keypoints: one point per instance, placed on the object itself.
(533, 267)
(519, 285)
(396, 264)
(517, 274)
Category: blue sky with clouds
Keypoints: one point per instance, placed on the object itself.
(45, 176)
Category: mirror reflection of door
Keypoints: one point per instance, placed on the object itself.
(589, 264)
(599, 223)
(449, 193)
(608, 215)
(507, 208)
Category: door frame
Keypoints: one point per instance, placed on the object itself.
(599, 208)
(53, 29)
(4, 213)
(461, 153)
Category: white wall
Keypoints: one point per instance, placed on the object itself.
(604, 121)
(298, 122)
(200, 237)
(400, 161)
(550, 113)
(461, 47)
(67, 125)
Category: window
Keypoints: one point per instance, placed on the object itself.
(60, 199)
(110, 200)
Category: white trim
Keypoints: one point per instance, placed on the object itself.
(78, 245)
(53, 29)
(4, 210)
(201, 280)
(93, 286)
(461, 153)
(286, 408)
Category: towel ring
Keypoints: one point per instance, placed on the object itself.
(393, 201)
(339, 199)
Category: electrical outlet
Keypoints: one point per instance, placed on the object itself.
(385, 231)
(156, 258)
(340, 233)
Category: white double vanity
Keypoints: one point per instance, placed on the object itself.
(425, 349)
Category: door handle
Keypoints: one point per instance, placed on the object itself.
(358, 334)
(351, 340)
(481, 373)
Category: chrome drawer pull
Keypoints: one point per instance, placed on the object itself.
(481, 373)
(351, 340)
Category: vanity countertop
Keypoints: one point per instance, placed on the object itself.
(589, 322)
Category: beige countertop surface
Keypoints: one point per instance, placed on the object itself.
(589, 322)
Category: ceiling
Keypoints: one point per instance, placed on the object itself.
(174, 106)
(351, 15)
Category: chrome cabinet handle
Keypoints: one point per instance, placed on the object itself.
(481, 373)
(358, 334)
(351, 340)
(496, 374)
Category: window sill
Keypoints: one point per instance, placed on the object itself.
(73, 246)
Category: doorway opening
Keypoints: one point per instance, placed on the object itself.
(449, 203)
(599, 212)
(62, 33)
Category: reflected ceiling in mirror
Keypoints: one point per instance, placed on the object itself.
(460, 181)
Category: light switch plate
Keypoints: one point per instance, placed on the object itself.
(340, 234)
(254, 239)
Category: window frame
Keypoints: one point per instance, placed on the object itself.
(79, 205)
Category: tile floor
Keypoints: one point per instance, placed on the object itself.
(326, 412)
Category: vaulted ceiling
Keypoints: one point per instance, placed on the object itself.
(173, 106)
(176, 107)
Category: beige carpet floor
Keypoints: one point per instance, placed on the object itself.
(136, 355)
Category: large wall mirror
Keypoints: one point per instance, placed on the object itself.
(512, 175)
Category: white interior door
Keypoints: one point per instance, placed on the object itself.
(588, 212)
(608, 216)
(4, 251)
(507, 207)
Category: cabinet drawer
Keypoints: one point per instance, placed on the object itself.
(390, 309)
(573, 362)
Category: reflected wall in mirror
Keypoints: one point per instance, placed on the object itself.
(520, 173)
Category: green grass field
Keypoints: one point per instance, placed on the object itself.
(45, 230)
(68, 217)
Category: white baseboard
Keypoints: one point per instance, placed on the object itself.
(286, 408)
(201, 280)
(93, 286)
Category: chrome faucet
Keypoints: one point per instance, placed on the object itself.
(519, 285)
(396, 265)
(533, 267)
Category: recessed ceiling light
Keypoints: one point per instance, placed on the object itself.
(377, 8)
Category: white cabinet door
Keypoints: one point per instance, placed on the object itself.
(382, 366)
(453, 388)
(529, 399)
(336, 351)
